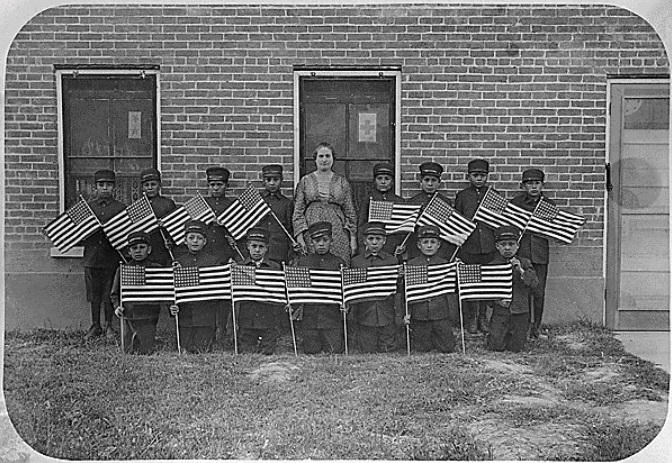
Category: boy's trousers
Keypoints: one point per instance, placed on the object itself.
(507, 331)
(428, 334)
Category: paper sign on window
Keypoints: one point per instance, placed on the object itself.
(134, 124)
(367, 127)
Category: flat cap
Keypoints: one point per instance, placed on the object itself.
(478, 165)
(104, 175)
(431, 168)
(374, 228)
(428, 231)
(271, 169)
(217, 174)
(258, 234)
(507, 232)
(150, 174)
(319, 229)
(383, 168)
(138, 237)
(195, 226)
(531, 175)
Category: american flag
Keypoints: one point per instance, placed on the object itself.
(427, 281)
(244, 213)
(72, 226)
(547, 220)
(202, 283)
(146, 284)
(314, 286)
(492, 281)
(195, 208)
(454, 227)
(362, 284)
(139, 216)
(398, 218)
(258, 284)
(496, 211)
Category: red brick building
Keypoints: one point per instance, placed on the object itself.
(579, 91)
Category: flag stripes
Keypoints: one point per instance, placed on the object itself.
(306, 285)
(424, 282)
(549, 221)
(496, 211)
(146, 284)
(74, 225)
(244, 213)
(453, 227)
(202, 283)
(139, 216)
(492, 281)
(362, 284)
(398, 218)
(257, 284)
(195, 208)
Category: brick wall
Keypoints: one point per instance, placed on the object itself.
(520, 86)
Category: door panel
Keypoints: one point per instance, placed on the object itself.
(638, 277)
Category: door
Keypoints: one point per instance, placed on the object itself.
(638, 261)
(355, 115)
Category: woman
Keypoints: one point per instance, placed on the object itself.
(324, 195)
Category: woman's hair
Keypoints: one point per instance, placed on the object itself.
(324, 144)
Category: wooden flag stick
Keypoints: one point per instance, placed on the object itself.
(290, 312)
(235, 326)
(177, 332)
(408, 327)
(459, 303)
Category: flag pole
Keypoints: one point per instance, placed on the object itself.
(408, 327)
(344, 310)
(233, 315)
(284, 229)
(457, 249)
(290, 311)
(530, 219)
(177, 332)
(121, 319)
(459, 303)
(421, 212)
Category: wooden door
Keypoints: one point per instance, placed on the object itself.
(638, 261)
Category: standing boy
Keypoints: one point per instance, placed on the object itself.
(534, 247)
(510, 317)
(279, 246)
(198, 320)
(322, 324)
(100, 258)
(150, 179)
(430, 319)
(139, 318)
(480, 246)
(259, 322)
(376, 318)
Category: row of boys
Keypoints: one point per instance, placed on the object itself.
(101, 259)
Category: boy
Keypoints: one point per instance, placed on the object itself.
(376, 318)
(430, 319)
(100, 258)
(533, 247)
(430, 182)
(383, 184)
(140, 319)
(258, 321)
(322, 324)
(480, 246)
(197, 319)
(279, 245)
(150, 179)
(510, 317)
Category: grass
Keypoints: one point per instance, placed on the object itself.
(69, 399)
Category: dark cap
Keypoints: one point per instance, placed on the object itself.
(374, 228)
(217, 174)
(428, 231)
(138, 237)
(150, 174)
(531, 175)
(258, 234)
(195, 226)
(431, 168)
(478, 165)
(507, 232)
(383, 168)
(104, 175)
(271, 169)
(319, 229)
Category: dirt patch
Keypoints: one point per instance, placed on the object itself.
(644, 411)
(274, 372)
(499, 366)
(603, 374)
(572, 341)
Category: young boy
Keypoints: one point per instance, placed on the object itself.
(258, 321)
(376, 318)
(383, 185)
(197, 320)
(140, 319)
(430, 182)
(430, 319)
(322, 324)
(279, 246)
(510, 317)
(480, 246)
(100, 258)
(150, 180)
(533, 247)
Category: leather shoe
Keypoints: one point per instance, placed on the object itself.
(93, 332)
